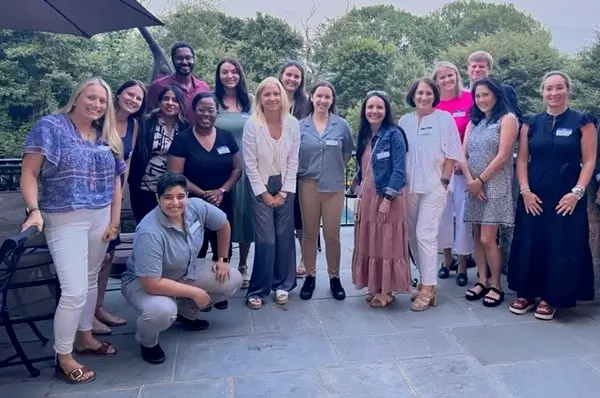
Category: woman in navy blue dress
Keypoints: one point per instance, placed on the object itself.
(130, 104)
(550, 264)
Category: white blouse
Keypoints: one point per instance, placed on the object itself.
(262, 155)
(430, 142)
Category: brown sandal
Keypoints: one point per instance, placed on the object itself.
(415, 292)
(522, 305)
(109, 319)
(76, 376)
(382, 300)
(103, 351)
(424, 300)
(544, 311)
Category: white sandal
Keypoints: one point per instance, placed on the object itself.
(281, 297)
(254, 303)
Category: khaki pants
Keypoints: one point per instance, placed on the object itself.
(315, 205)
(157, 313)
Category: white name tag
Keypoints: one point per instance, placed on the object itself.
(425, 130)
(104, 147)
(331, 142)
(459, 114)
(563, 132)
(383, 155)
(194, 226)
(222, 150)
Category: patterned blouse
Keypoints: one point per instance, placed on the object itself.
(76, 173)
(158, 158)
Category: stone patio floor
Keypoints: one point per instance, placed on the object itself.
(326, 348)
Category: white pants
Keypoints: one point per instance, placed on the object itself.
(454, 233)
(423, 214)
(75, 243)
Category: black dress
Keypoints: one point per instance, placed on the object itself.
(550, 254)
(208, 170)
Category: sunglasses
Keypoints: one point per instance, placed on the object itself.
(377, 92)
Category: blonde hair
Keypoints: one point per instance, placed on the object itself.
(107, 122)
(459, 88)
(481, 56)
(568, 81)
(258, 110)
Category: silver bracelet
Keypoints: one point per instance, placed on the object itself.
(578, 191)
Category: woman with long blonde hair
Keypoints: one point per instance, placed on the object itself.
(271, 143)
(75, 157)
(454, 235)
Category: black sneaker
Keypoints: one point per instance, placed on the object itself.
(154, 355)
(307, 288)
(221, 305)
(193, 325)
(443, 272)
(337, 291)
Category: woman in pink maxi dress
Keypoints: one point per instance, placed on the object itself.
(380, 260)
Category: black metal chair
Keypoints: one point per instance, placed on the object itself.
(29, 293)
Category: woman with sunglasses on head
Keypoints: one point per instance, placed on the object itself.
(380, 259)
(149, 158)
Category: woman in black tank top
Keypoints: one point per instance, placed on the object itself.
(130, 102)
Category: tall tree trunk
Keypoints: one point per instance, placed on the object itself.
(161, 65)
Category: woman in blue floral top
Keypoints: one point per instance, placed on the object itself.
(75, 157)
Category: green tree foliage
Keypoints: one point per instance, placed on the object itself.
(586, 81)
(520, 59)
(379, 47)
(463, 20)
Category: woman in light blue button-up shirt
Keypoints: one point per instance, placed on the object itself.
(325, 148)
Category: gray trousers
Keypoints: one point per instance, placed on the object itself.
(157, 313)
(274, 245)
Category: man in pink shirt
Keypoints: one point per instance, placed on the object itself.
(184, 60)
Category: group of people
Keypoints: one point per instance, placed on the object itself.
(208, 168)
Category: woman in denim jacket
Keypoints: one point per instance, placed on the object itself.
(380, 260)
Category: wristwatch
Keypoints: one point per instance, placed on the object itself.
(283, 194)
(224, 259)
(29, 211)
(223, 191)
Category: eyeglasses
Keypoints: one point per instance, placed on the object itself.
(377, 92)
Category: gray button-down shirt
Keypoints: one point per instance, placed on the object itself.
(322, 156)
(160, 249)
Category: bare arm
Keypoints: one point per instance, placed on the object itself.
(117, 203)
(463, 166)
(176, 165)
(523, 158)
(236, 173)
(588, 154)
(509, 127)
(167, 287)
(30, 172)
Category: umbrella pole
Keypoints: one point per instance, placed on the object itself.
(161, 65)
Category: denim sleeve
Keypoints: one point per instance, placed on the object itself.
(398, 150)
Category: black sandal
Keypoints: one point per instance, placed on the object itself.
(472, 295)
(491, 302)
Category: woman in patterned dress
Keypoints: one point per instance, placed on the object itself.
(489, 143)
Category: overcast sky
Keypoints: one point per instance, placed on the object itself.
(572, 27)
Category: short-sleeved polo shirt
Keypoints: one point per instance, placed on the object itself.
(160, 249)
(322, 156)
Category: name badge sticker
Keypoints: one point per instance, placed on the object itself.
(563, 132)
(459, 114)
(331, 142)
(222, 150)
(383, 155)
(104, 147)
(194, 226)
(425, 130)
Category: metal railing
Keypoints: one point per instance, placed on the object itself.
(10, 173)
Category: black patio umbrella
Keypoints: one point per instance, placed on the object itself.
(75, 17)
